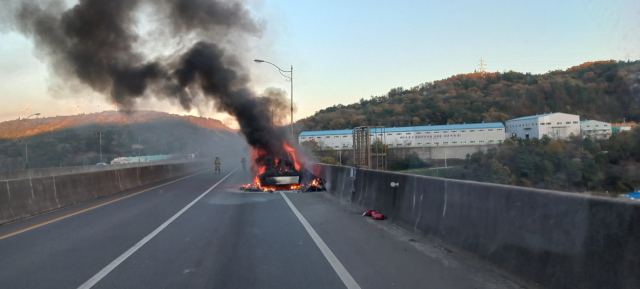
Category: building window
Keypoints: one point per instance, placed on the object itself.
(481, 141)
(427, 143)
(472, 130)
(399, 144)
(491, 141)
(301, 137)
(462, 130)
(588, 126)
(427, 132)
(559, 122)
(319, 137)
(389, 134)
(327, 136)
(575, 122)
(336, 136)
(445, 143)
(568, 122)
(500, 129)
(344, 136)
(335, 146)
(490, 129)
(454, 142)
(398, 134)
(548, 123)
(473, 141)
(418, 133)
(454, 131)
(481, 130)
(408, 133)
(419, 143)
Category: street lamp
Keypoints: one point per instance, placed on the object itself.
(26, 145)
(289, 79)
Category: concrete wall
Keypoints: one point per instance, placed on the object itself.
(437, 153)
(546, 238)
(20, 198)
(55, 171)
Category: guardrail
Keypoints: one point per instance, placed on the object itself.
(542, 238)
(21, 198)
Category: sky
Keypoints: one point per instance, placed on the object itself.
(342, 51)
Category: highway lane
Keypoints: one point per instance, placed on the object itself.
(227, 239)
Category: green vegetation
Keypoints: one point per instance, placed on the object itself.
(605, 90)
(576, 165)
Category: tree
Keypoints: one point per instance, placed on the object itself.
(498, 173)
(328, 160)
(312, 145)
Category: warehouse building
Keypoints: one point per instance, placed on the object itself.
(554, 125)
(415, 136)
(595, 129)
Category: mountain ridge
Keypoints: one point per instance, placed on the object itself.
(22, 128)
(603, 90)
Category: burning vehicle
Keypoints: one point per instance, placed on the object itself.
(281, 172)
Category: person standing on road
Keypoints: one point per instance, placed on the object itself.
(217, 163)
(243, 161)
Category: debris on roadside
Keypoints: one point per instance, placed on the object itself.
(368, 213)
(372, 213)
(317, 185)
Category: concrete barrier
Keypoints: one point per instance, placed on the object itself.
(541, 238)
(46, 172)
(20, 198)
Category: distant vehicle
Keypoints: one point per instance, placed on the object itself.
(101, 164)
(633, 196)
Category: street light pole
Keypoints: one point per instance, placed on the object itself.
(292, 138)
(100, 146)
(290, 79)
(26, 145)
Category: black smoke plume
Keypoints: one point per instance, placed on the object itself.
(94, 42)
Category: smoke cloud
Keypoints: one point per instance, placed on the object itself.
(94, 42)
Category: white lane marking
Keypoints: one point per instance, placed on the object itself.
(146, 239)
(87, 209)
(335, 263)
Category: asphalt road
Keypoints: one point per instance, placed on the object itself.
(192, 233)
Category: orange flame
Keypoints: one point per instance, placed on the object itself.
(259, 168)
(292, 153)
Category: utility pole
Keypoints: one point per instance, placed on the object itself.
(139, 149)
(292, 138)
(100, 146)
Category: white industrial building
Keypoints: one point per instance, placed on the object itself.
(555, 125)
(595, 129)
(415, 136)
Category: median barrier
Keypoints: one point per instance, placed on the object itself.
(20, 198)
(57, 171)
(541, 238)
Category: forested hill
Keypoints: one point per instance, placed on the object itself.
(603, 90)
(33, 126)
